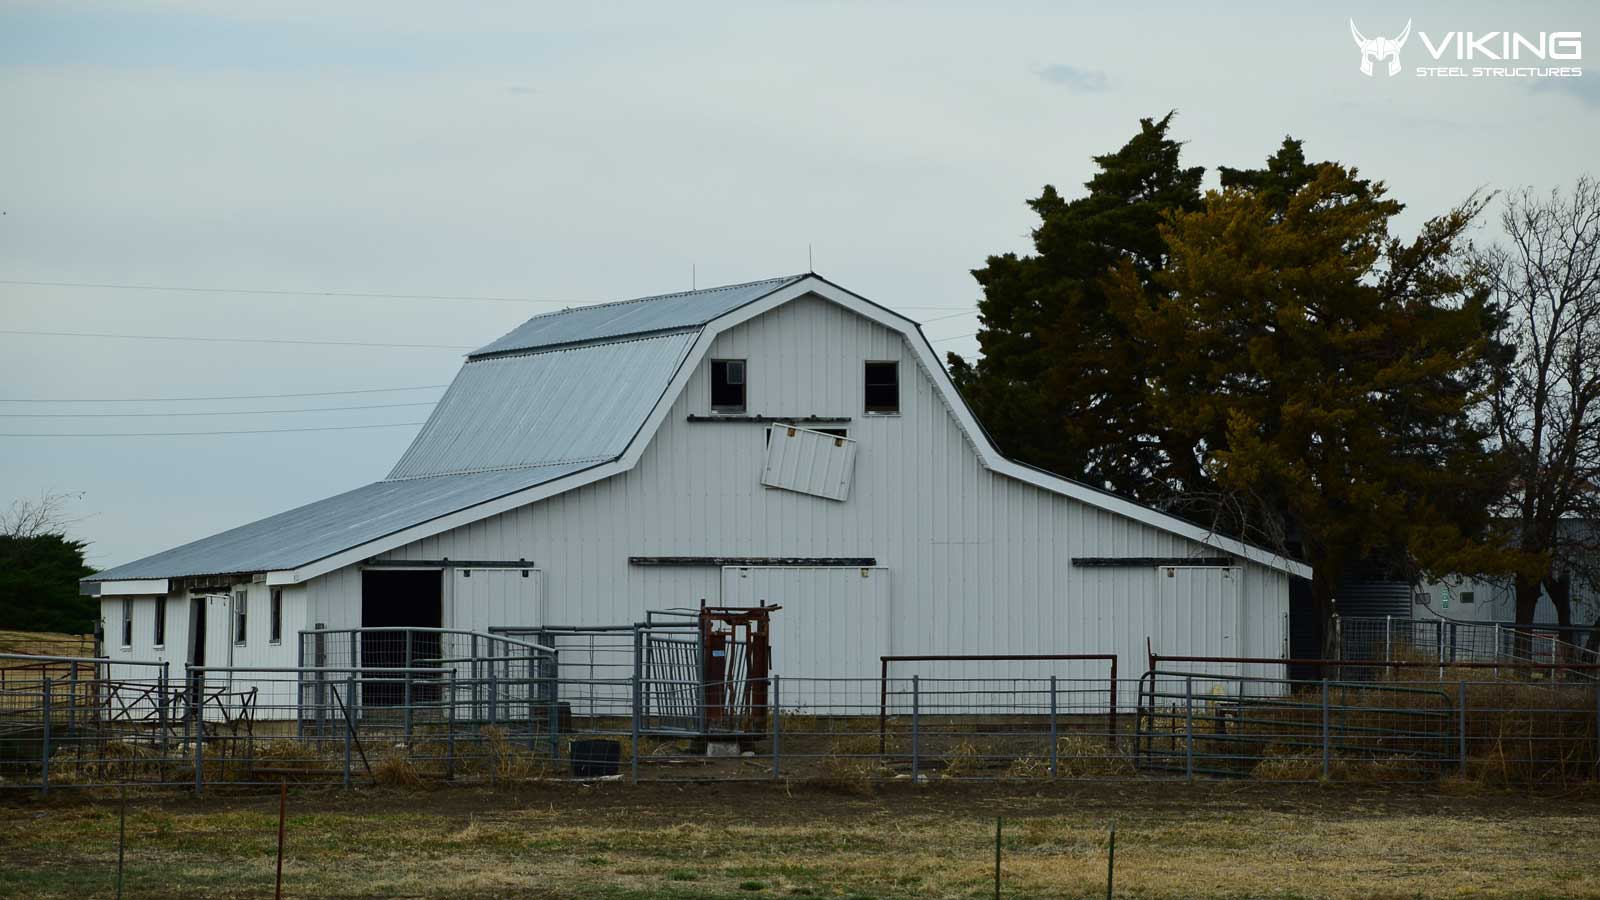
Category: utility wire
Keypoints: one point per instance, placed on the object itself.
(953, 337)
(277, 293)
(226, 412)
(202, 433)
(229, 340)
(420, 387)
(356, 295)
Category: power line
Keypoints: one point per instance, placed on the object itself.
(359, 295)
(354, 295)
(226, 412)
(420, 387)
(201, 433)
(230, 340)
(965, 312)
(953, 337)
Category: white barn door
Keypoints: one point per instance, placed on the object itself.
(485, 598)
(1197, 614)
(834, 622)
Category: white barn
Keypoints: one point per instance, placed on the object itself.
(783, 441)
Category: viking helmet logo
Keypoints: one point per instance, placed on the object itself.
(1379, 49)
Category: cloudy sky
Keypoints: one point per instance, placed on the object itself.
(297, 153)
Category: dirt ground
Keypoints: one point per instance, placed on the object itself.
(750, 840)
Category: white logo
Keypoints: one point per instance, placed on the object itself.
(1379, 49)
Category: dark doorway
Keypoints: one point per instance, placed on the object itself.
(197, 649)
(399, 599)
(197, 631)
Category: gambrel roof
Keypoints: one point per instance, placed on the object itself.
(563, 400)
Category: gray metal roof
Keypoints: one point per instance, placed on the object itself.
(580, 404)
(559, 394)
(326, 527)
(603, 321)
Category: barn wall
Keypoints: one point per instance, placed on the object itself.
(981, 563)
(257, 650)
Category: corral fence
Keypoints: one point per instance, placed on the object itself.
(503, 716)
(1396, 638)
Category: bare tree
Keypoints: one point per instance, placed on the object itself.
(1546, 400)
(46, 515)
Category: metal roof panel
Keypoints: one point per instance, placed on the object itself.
(645, 315)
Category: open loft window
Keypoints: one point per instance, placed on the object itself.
(275, 614)
(160, 636)
(727, 385)
(127, 623)
(883, 388)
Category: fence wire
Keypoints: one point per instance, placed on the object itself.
(68, 723)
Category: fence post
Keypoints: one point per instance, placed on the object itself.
(555, 727)
(475, 674)
(349, 723)
(161, 702)
(494, 691)
(44, 762)
(1188, 728)
(197, 712)
(72, 700)
(450, 728)
(1053, 726)
(916, 723)
(1461, 727)
(1388, 638)
(1497, 651)
(1327, 746)
(777, 729)
(407, 690)
(635, 761)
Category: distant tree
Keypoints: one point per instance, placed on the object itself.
(40, 567)
(39, 585)
(1545, 405)
(1325, 371)
(1060, 383)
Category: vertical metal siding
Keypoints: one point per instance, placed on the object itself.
(492, 597)
(809, 462)
(835, 621)
(982, 563)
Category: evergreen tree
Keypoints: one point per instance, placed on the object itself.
(39, 585)
(1060, 382)
(1325, 371)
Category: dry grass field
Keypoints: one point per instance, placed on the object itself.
(754, 840)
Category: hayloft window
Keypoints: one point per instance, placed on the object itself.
(727, 385)
(127, 623)
(275, 634)
(241, 616)
(161, 622)
(883, 387)
(1466, 597)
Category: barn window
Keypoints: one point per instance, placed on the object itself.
(883, 387)
(1466, 597)
(127, 623)
(275, 617)
(161, 622)
(727, 385)
(241, 615)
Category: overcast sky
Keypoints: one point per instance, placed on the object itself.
(564, 155)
